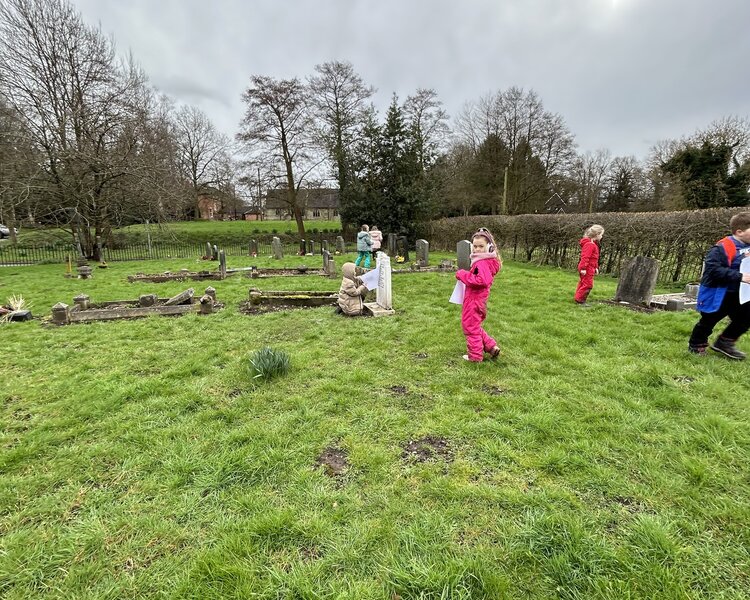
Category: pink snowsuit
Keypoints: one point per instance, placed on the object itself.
(590, 263)
(478, 280)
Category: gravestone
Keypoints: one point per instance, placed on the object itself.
(403, 247)
(84, 272)
(208, 250)
(61, 314)
(222, 265)
(329, 267)
(392, 241)
(637, 281)
(383, 305)
(302, 248)
(340, 245)
(185, 297)
(311, 246)
(691, 290)
(463, 254)
(253, 248)
(82, 301)
(324, 245)
(211, 291)
(145, 300)
(215, 252)
(99, 252)
(276, 246)
(423, 253)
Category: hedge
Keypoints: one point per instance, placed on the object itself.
(678, 239)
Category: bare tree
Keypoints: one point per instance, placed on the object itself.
(589, 175)
(61, 75)
(339, 104)
(277, 130)
(203, 154)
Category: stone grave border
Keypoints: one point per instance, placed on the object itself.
(271, 300)
(84, 311)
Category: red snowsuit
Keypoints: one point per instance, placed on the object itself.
(478, 280)
(590, 262)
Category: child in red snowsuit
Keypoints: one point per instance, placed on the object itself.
(588, 266)
(485, 264)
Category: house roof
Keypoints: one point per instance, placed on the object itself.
(308, 198)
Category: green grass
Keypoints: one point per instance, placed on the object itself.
(186, 231)
(594, 459)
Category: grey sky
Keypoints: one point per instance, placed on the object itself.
(622, 73)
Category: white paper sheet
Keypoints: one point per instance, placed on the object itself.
(745, 287)
(457, 297)
(370, 279)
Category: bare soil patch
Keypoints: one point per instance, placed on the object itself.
(428, 448)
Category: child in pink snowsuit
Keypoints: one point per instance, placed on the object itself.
(485, 264)
(588, 266)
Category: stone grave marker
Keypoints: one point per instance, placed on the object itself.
(311, 246)
(253, 248)
(423, 253)
(276, 246)
(637, 281)
(340, 245)
(324, 245)
(208, 250)
(215, 252)
(302, 248)
(392, 241)
(463, 254)
(222, 264)
(383, 305)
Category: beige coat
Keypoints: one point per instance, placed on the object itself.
(351, 294)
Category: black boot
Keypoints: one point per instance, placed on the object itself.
(726, 347)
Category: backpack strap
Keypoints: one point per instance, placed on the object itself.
(729, 248)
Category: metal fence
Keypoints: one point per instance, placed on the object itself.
(58, 253)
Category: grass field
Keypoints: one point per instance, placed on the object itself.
(190, 231)
(594, 459)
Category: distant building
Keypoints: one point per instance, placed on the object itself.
(317, 204)
(253, 214)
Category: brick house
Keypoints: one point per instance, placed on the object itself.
(317, 204)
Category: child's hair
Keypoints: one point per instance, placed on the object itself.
(365, 228)
(374, 227)
(739, 222)
(485, 233)
(593, 231)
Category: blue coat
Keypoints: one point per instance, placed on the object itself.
(719, 277)
(364, 241)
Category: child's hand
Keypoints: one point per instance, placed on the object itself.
(596, 272)
(746, 278)
(583, 271)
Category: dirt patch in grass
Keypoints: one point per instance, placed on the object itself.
(683, 379)
(428, 448)
(493, 390)
(234, 393)
(334, 461)
(399, 390)
(421, 355)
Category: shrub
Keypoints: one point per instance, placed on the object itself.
(288, 232)
(315, 230)
(268, 363)
(256, 230)
(274, 231)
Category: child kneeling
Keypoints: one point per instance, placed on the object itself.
(351, 292)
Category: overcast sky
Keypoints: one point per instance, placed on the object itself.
(624, 74)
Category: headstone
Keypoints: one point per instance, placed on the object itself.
(208, 250)
(403, 248)
(383, 305)
(674, 305)
(222, 265)
(254, 273)
(99, 252)
(82, 301)
(691, 290)
(206, 305)
(210, 291)
(329, 268)
(324, 245)
(311, 246)
(145, 300)
(253, 248)
(84, 272)
(185, 297)
(276, 246)
(423, 253)
(302, 247)
(463, 254)
(637, 281)
(215, 252)
(392, 249)
(60, 314)
(340, 245)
